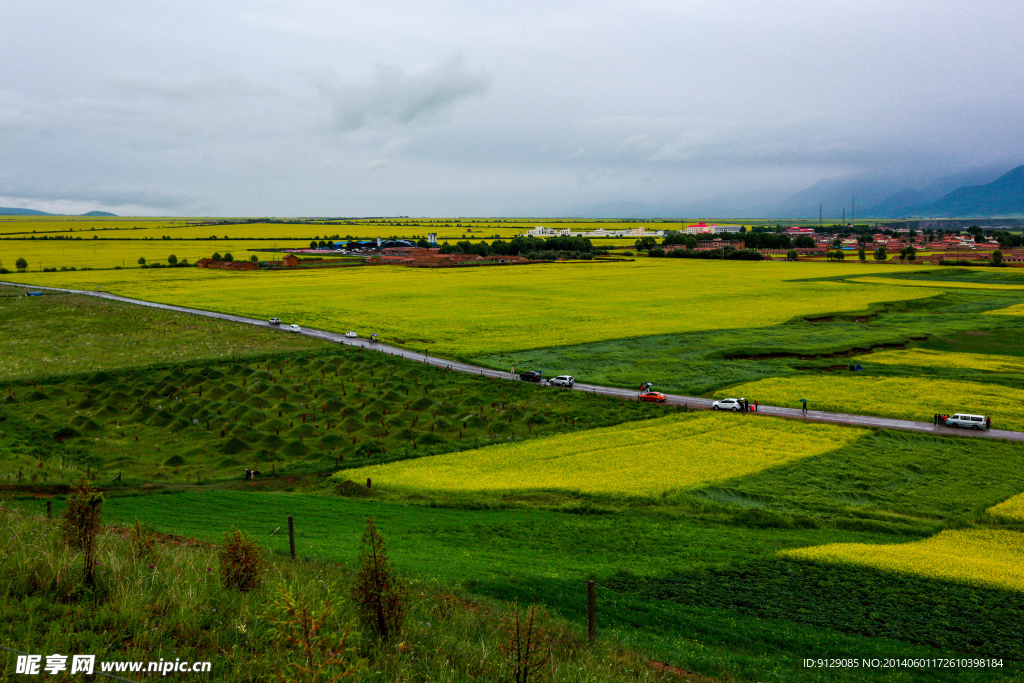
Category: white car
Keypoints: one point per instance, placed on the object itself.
(275, 321)
(966, 421)
(294, 328)
(351, 335)
(732, 404)
(562, 381)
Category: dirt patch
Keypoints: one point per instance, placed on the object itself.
(978, 334)
(856, 351)
(681, 673)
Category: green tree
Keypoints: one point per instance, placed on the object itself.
(216, 256)
(141, 261)
(228, 257)
(804, 242)
(792, 255)
(861, 254)
(911, 253)
(880, 254)
(21, 264)
(997, 258)
(172, 259)
(312, 244)
(254, 258)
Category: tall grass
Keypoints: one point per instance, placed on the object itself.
(169, 602)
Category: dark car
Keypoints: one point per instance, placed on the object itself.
(531, 376)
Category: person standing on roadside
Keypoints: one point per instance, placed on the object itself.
(756, 405)
(804, 401)
(988, 423)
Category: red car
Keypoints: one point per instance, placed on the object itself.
(653, 396)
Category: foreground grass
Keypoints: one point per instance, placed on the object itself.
(168, 602)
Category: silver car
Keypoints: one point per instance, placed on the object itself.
(732, 404)
(562, 381)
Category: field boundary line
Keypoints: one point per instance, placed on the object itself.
(864, 421)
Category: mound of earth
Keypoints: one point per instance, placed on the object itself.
(86, 424)
(37, 396)
(100, 377)
(351, 489)
(295, 449)
(175, 461)
(232, 446)
(272, 442)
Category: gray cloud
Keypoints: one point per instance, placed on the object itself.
(395, 95)
(321, 108)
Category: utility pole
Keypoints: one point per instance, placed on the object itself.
(819, 215)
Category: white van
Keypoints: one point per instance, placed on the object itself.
(967, 421)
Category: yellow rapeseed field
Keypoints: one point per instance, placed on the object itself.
(908, 398)
(947, 359)
(1011, 509)
(981, 557)
(941, 284)
(90, 253)
(636, 459)
(1017, 309)
(177, 228)
(469, 312)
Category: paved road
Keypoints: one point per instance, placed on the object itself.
(689, 401)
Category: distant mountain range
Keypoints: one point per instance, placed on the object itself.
(5, 211)
(978, 193)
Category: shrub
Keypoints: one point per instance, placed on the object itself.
(81, 523)
(524, 646)
(379, 598)
(298, 628)
(21, 264)
(142, 261)
(241, 561)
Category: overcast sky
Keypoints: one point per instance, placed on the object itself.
(338, 108)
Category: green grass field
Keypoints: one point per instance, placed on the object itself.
(59, 334)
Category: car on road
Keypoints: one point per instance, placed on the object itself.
(562, 381)
(274, 321)
(732, 404)
(351, 335)
(294, 328)
(530, 376)
(652, 397)
(966, 421)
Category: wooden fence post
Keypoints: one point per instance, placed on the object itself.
(590, 612)
(49, 509)
(291, 535)
(369, 483)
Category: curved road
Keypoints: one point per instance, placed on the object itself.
(690, 401)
